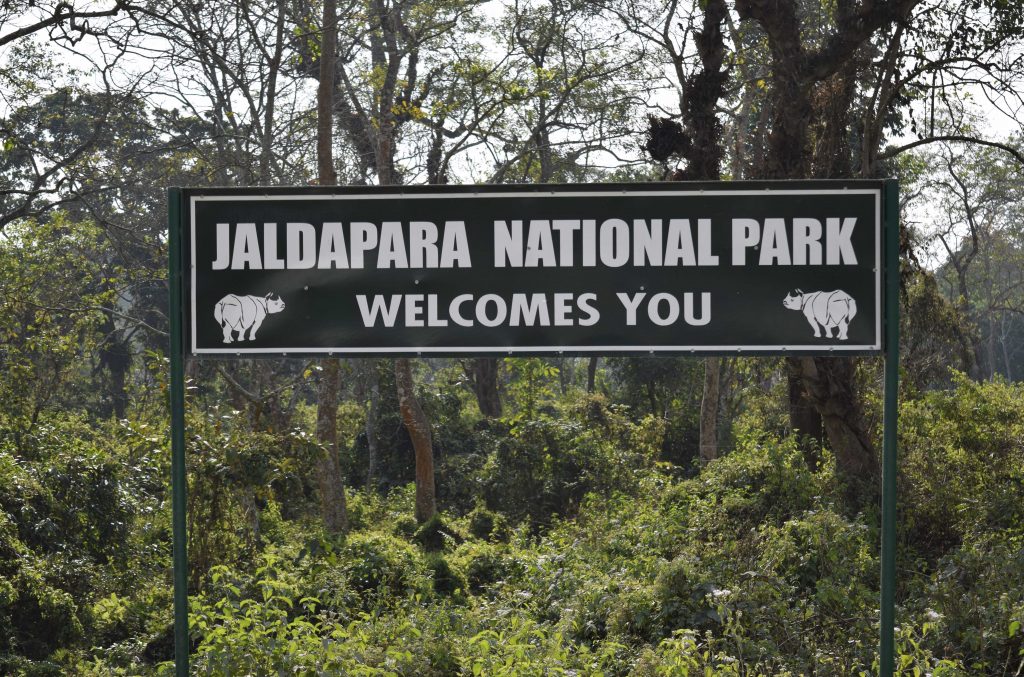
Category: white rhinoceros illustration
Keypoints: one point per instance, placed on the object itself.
(241, 313)
(829, 309)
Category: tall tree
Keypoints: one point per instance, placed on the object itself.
(483, 373)
(329, 478)
(803, 65)
(240, 103)
(416, 423)
(698, 143)
(374, 106)
(569, 100)
(974, 207)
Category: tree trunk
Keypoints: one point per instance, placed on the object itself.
(373, 132)
(328, 471)
(252, 517)
(413, 417)
(992, 360)
(274, 66)
(591, 373)
(709, 410)
(325, 96)
(419, 430)
(116, 356)
(485, 386)
(829, 385)
(652, 399)
(1006, 353)
(328, 467)
(804, 419)
(703, 90)
(373, 377)
(796, 75)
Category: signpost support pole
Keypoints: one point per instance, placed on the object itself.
(177, 392)
(890, 413)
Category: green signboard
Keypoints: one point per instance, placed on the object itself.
(789, 268)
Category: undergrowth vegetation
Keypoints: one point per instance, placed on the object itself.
(577, 550)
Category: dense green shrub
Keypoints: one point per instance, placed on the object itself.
(447, 580)
(822, 553)
(973, 603)
(668, 389)
(764, 480)
(547, 465)
(488, 525)
(76, 524)
(635, 613)
(487, 565)
(961, 464)
(380, 566)
(586, 616)
(435, 535)
(574, 548)
(40, 617)
(685, 599)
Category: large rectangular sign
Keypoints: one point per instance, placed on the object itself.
(783, 267)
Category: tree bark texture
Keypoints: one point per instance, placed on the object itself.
(328, 471)
(419, 431)
(485, 386)
(592, 372)
(829, 385)
(804, 419)
(326, 174)
(328, 468)
(709, 410)
(814, 88)
(372, 414)
(703, 152)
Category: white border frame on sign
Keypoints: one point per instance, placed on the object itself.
(512, 350)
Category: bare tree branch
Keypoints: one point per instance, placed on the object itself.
(955, 138)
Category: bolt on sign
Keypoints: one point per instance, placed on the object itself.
(778, 267)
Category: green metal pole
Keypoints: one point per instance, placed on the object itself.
(890, 413)
(178, 481)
